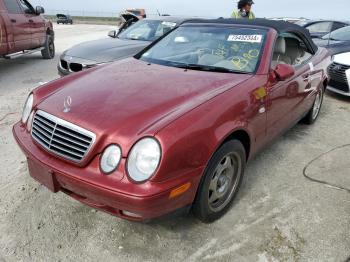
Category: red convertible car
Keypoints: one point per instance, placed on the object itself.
(174, 126)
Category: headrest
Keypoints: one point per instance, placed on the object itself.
(280, 47)
(293, 47)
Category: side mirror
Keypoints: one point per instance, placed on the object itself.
(112, 33)
(39, 10)
(284, 71)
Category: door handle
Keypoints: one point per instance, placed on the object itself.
(307, 78)
(13, 20)
(31, 21)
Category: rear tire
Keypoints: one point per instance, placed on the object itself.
(221, 182)
(49, 48)
(314, 112)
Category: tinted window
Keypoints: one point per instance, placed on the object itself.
(342, 34)
(147, 30)
(320, 27)
(12, 7)
(338, 25)
(27, 8)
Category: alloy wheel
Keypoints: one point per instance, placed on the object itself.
(224, 182)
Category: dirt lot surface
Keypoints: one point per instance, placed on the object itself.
(278, 215)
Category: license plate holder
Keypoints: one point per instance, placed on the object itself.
(43, 175)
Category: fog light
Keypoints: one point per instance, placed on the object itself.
(130, 214)
(180, 190)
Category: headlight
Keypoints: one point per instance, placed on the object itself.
(110, 159)
(27, 108)
(143, 159)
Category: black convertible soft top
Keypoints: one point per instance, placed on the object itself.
(279, 26)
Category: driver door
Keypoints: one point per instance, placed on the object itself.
(21, 28)
(36, 22)
(286, 98)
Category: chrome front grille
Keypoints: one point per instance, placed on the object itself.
(61, 137)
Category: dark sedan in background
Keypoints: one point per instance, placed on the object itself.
(129, 40)
(336, 42)
(64, 19)
(319, 28)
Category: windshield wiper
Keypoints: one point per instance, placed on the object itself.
(207, 68)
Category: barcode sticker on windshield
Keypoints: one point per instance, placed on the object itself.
(245, 38)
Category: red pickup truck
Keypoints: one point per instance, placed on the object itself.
(23, 30)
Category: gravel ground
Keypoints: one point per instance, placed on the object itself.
(278, 216)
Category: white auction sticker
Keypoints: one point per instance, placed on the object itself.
(245, 38)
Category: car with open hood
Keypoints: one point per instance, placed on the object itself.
(140, 13)
(64, 19)
(131, 38)
(173, 127)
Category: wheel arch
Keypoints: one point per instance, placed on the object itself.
(242, 136)
(325, 83)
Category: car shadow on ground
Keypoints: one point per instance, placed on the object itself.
(22, 62)
(337, 96)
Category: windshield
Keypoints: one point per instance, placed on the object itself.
(147, 30)
(342, 34)
(209, 48)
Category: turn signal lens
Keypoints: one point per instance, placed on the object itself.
(30, 122)
(180, 190)
(27, 108)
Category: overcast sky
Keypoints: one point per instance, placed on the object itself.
(327, 9)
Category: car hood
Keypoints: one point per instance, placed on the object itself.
(106, 50)
(131, 98)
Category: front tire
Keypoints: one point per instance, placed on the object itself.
(49, 48)
(314, 112)
(221, 182)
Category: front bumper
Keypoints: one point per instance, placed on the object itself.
(339, 79)
(338, 91)
(85, 184)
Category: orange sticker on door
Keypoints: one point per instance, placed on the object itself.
(260, 93)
